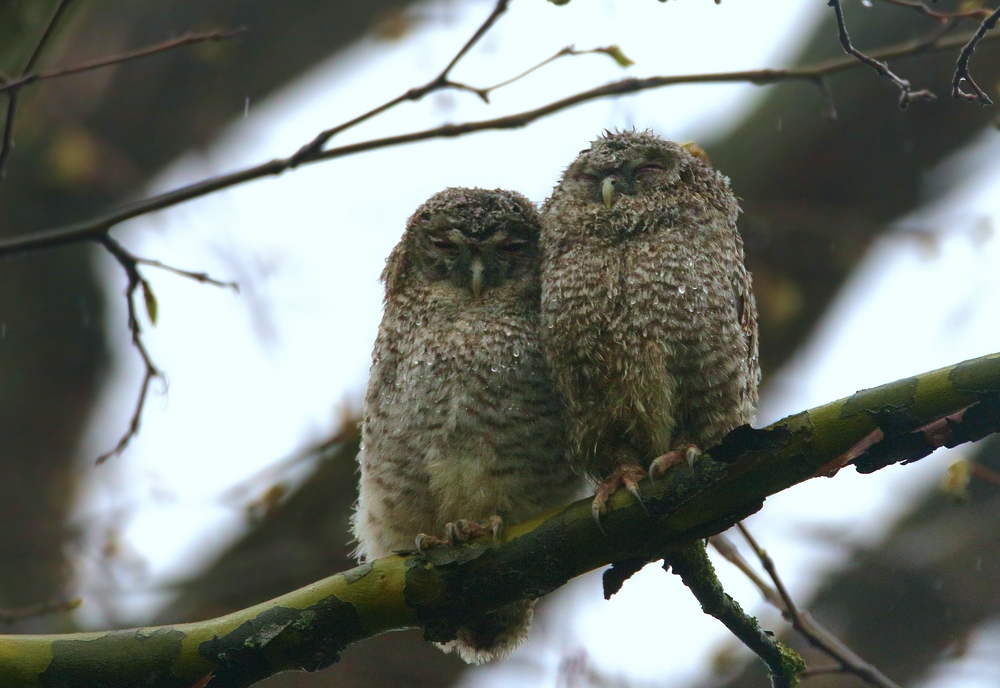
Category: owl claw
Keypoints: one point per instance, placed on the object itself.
(595, 510)
(424, 541)
(638, 497)
(693, 454)
(459, 532)
(626, 475)
(661, 464)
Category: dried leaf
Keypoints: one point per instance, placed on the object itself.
(618, 56)
(150, 299)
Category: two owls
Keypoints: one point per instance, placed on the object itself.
(612, 335)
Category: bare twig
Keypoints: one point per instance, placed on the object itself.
(309, 151)
(801, 620)
(12, 615)
(7, 141)
(907, 94)
(975, 13)
(962, 68)
(130, 264)
(94, 229)
(612, 51)
(186, 39)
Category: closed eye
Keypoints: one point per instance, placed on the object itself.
(648, 168)
(444, 245)
(512, 247)
(584, 177)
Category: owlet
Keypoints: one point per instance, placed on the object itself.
(649, 318)
(462, 425)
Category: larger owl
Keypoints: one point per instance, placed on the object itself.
(649, 318)
(462, 426)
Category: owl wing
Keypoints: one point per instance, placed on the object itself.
(746, 312)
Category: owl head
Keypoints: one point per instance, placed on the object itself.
(475, 240)
(630, 164)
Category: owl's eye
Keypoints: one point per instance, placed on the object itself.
(445, 246)
(511, 247)
(586, 178)
(649, 168)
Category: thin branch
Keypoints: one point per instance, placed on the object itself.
(803, 622)
(448, 587)
(613, 51)
(186, 39)
(94, 229)
(907, 93)
(7, 140)
(962, 68)
(12, 615)
(975, 13)
(130, 264)
(309, 151)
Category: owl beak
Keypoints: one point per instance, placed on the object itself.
(608, 191)
(477, 276)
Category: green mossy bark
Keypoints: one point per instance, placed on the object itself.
(307, 628)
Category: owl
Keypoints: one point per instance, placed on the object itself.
(648, 316)
(462, 427)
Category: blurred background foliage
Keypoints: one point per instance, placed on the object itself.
(816, 193)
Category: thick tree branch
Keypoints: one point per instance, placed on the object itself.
(94, 229)
(307, 628)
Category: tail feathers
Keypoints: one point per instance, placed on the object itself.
(495, 635)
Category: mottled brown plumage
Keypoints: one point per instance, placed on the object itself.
(650, 323)
(461, 420)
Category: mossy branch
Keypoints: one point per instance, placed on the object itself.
(306, 629)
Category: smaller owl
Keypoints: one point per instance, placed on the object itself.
(462, 427)
(650, 323)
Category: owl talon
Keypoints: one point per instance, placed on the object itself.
(661, 464)
(693, 454)
(425, 541)
(595, 510)
(638, 497)
(626, 475)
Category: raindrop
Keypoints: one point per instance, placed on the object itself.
(681, 289)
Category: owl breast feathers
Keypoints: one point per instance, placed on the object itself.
(461, 420)
(648, 316)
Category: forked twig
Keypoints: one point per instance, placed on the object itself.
(962, 68)
(907, 94)
(130, 264)
(7, 139)
(802, 621)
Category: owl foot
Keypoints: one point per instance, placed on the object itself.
(661, 464)
(459, 532)
(626, 475)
